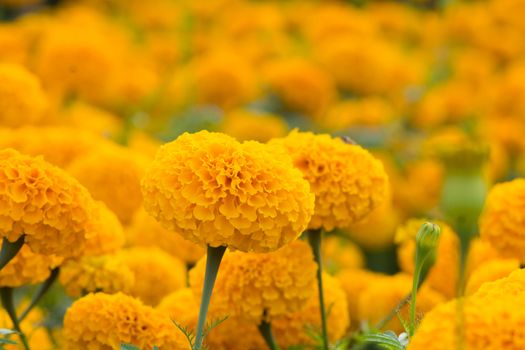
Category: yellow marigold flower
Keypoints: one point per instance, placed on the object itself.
(383, 294)
(301, 86)
(348, 182)
(58, 145)
(490, 271)
(231, 334)
(145, 231)
(291, 329)
(367, 111)
(22, 100)
(43, 203)
(112, 174)
(245, 125)
(105, 234)
(102, 321)
(262, 286)
(510, 286)
(214, 190)
(32, 326)
(503, 218)
(354, 282)
(85, 116)
(340, 253)
(27, 268)
(154, 267)
(105, 273)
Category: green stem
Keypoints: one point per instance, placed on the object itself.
(415, 284)
(9, 250)
(314, 238)
(6, 294)
(41, 292)
(265, 328)
(213, 261)
(394, 312)
(460, 313)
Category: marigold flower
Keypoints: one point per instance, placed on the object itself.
(105, 234)
(383, 294)
(105, 273)
(502, 220)
(340, 253)
(490, 271)
(291, 329)
(145, 231)
(154, 267)
(43, 203)
(181, 306)
(102, 321)
(27, 268)
(510, 286)
(245, 125)
(259, 287)
(22, 100)
(348, 182)
(214, 190)
(112, 174)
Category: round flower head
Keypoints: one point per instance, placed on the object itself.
(511, 286)
(383, 294)
(214, 190)
(503, 218)
(246, 125)
(157, 273)
(105, 273)
(259, 287)
(490, 271)
(43, 203)
(348, 182)
(181, 306)
(112, 174)
(102, 321)
(340, 253)
(105, 234)
(145, 231)
(22, 100)
(27, 268)
(292, 329)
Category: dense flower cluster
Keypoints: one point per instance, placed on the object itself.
(102, 321)
(105, 234)
(104, 273)
(43, 203)
(261, 286)
(503, 219)
(348, 182)
(214, 190)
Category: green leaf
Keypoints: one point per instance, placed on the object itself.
(387, 341)
(128, 347)
(5, 331)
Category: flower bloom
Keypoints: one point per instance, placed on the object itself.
(105, 234)
(348, 182)
(216, 191)
(263, 286)
(102, 321)
(43, 203)
(105, 273)
(157, 273)
(490, 271)
(503, 219)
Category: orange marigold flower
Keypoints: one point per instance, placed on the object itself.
(214, 190)
(43, 203)
(262, 286)
(348, 182)
(105, 234)
(490, 271)
(102, 321)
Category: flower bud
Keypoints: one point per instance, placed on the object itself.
(427, 240)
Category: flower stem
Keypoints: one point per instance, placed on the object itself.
(41, 292)
(6, 294)
(9, 250)
(415, 284)
(314, 238)
(213, 261)
(265, 328)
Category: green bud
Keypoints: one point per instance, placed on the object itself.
(427, 240)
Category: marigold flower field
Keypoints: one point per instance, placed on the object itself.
(262, 175)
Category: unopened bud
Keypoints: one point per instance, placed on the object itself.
(427, 240)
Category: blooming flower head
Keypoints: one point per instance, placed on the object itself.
(27, 268)
(102, 321)
(503, 219)
(22, 100)
(291, 329)
(259, 287)
(245, 125)
(348, 182)
(490, 271)
(105, 234)
(112, 174)
(105, 273)
(43, 203)
(214, 190)
(340, 253)
(145, 231)
(157, 273)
